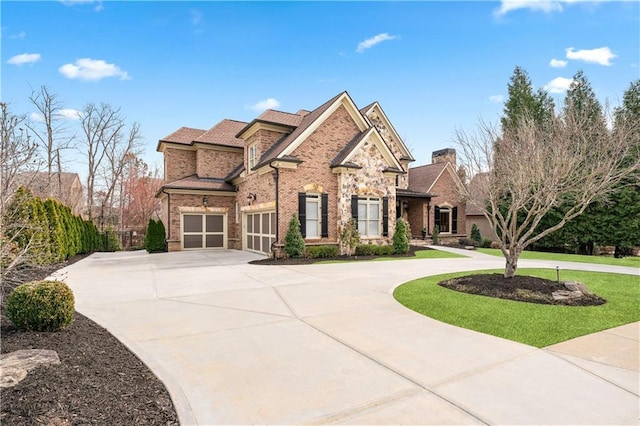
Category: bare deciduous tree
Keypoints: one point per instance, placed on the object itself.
(529, 169)
(105, 144)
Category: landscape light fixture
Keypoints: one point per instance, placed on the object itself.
(251, 197)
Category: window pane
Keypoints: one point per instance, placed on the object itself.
(265, 223)
(256, 223)
(192, 223)
(362, 210)
(249, 223)
(192, 241)
(265, 244)
(256, 243)
(214, 223)
(214, 241)
(312, 209)
(374, 210)
(312, 228)
(249, 242)
(362, 227)
(272, 216)
(373, 228)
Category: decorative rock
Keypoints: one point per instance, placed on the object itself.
(14, 366)
(469, 248)
(566, 294)
(576, 286)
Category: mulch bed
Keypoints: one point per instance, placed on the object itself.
(308, 260)
(521, 288)
(98, 380)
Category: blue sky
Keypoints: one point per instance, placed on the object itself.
(433, 66)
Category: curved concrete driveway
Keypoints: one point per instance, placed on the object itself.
(246, 344)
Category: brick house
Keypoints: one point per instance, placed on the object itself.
(445, 209)
(238, 184)
(62, 186)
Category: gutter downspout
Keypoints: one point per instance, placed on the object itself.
(168, 216)
(276, 178)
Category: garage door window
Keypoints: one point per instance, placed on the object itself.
(202, 231)
(261, 229)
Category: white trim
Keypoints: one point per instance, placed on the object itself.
(270, 235)
(199, 192)
(252, 161)
(353, 111)
(253, 128)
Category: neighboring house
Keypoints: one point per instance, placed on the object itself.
(238, 184)
(64, 187)
(446, 209)
(474, 212)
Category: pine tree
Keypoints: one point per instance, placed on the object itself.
(293, 241)
(475, 234)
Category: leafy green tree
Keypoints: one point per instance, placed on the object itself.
(293, 241)
(349, 236)
(400, 240)
(522, 102)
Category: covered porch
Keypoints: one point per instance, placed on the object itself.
(415, 208)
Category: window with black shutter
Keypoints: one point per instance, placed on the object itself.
(436, 217)
(454, 220)
(385, 216)
(302, 213)
(325, 216)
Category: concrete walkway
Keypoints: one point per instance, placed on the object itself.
(327, 344)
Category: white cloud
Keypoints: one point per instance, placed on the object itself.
(546, 6)
(601, 55)
(370, 42)
(98, 3)
(92, 70)
(69, 114)
(496, 99)
(558, 85)
(558, 63)
(19, 36)
(268, 103)
(24, 58)
(35, 116)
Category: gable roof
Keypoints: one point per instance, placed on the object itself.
(223, 133)
(423, 178)
(280, 117)
(372, 133)
(406, 154)
(184, 136)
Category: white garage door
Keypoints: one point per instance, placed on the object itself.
(200, 231)
(260, 231)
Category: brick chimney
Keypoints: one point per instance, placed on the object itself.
(442, 155)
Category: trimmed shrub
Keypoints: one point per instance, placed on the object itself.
(41, 306)
(486, 243)
(374, 250)
(436, 235)
(315, 252)
(154, 238)
(475, 234)
(400, 240)
(110, 240)
(293, 241)
(467, 242)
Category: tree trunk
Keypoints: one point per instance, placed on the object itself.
(512, 262)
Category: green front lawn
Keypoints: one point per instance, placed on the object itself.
(420, 254)
(532, 324)
(631, 261)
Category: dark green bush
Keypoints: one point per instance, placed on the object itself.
(475, 234)
(400, 239)
(315, 252)
(154, 238)
(293, 241)
(486, 243)
(41, 306)
(110, 240)
(467, 242)
(374, 250)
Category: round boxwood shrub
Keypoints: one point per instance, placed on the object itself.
(41, 306)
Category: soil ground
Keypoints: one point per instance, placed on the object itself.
(521, 288)
(98, 381)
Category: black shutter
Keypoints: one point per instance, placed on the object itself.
(354, 207)
(324, 208)
(436, 217)
(454, 221)
(302, 213)
(385, 216)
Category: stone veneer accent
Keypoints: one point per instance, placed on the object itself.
(367, 181)
(392, 143)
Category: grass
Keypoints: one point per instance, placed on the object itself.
(420, 254)
(532, 324)
(631, 261)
